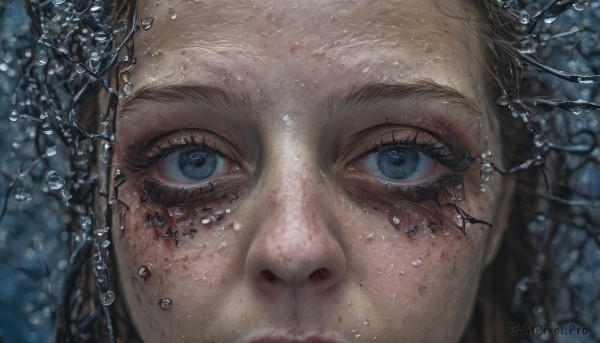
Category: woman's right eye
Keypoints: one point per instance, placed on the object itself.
(193, 165)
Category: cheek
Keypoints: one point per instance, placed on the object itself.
(175, 253)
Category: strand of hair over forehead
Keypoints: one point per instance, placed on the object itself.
(78, 48)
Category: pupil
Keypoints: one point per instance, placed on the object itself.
(398, 163)
(197, 164)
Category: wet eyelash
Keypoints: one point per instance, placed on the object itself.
(210, 191)
(139, 159)
(456, 161)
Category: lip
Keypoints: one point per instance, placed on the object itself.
(284, 339)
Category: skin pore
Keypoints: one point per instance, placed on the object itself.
(299, 231)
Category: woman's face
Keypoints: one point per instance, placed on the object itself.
(294, 172)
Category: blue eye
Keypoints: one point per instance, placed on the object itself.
(192, 165)
(399, 164)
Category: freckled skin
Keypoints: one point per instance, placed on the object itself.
(299, 254)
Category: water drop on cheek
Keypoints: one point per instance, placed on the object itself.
(144, 272)
(165, 303)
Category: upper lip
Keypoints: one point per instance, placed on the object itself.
(286, 339)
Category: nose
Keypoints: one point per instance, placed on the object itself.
(295, 246)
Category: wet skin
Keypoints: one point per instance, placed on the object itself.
(301, 228)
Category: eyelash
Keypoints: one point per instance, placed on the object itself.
(215, 188)
(457, 162)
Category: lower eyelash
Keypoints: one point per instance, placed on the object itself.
(215, 190)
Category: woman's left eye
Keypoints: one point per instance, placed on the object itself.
(400, 164)
(193, 165)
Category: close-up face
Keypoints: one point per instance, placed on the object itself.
(305, 171)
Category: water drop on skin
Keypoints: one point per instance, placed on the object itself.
(107, 298)
(459, 220)
(147, 22)
(165, 303)
(288, 120)
(171, 12)
(127, 88)
(417, 262)
(144, 272)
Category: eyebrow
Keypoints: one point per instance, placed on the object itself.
(366, 94)
(196, 93)
(421, 89)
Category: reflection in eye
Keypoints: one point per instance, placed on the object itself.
(398, 163)
(192, 165)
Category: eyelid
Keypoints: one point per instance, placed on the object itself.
(148, 154)
(378, 137)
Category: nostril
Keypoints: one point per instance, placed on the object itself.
(319, 274)
(269, 276)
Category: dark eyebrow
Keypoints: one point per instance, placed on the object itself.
(202, 94)
(422, 89)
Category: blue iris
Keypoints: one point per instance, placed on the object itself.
(197, 164)
(398, 163)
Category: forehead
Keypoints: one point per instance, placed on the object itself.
(231, 42)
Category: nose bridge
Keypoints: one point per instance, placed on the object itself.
(294, 245)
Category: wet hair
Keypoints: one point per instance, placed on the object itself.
(78, 50)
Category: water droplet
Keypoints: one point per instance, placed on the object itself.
(47, 128)
(550, 17)
(539, 140)
(95, 8)
(502, 100)
(580, 5)
(524, 17)
(102, 231)
(165, 303)
(396, 220)
(107, 298)
(79, 69)
(288, 120)
(127, 88)
(144, 272)
(205, 221)
(221, 245)
(14, 115)
(22, 196)
(51, 151)
(486, 169)
(176, 212)
(417, 262)
(147, 23)
(105, 244)
(54, 180)
(58, 2)
(100, 36)
(236, 227)
(459, 220)
(171, 12)
(42, 57)
(486, 154)
(459, 191)
(577, 110)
